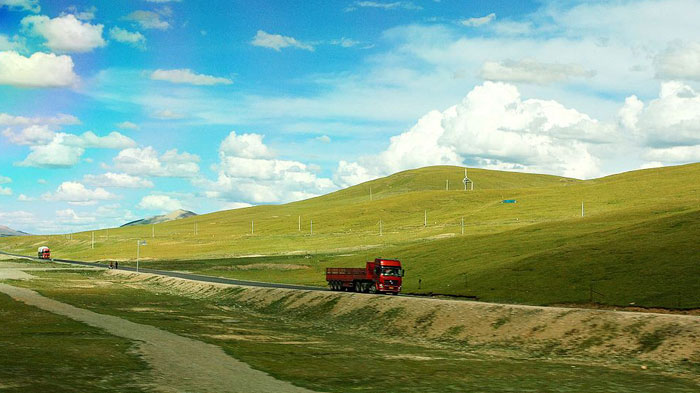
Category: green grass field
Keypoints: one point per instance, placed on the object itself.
(346, 354)
(636, 245)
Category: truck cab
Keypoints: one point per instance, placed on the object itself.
(44, 253)
(387, 274)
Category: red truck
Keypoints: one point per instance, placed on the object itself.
(378, 276)
(44, 252)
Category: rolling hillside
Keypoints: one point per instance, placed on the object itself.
(637, 242)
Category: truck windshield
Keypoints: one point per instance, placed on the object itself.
(391, 271)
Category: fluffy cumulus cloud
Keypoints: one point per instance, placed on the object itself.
(70, 217)
(679, 61)
(148, 20)
(23, 5)
(278, 42)
(64, 150)
(249, 173)
(60, 119)
(32, 135)
(493, 128)
(135, 39)
(163, 203)
(188, 77)
(77, 193)
(37, 70)
(6, 191)
(121, 180)
(668, 126)
(532, 71)
(5, 179)
(65, 33)
(147, 162)
(476, 22)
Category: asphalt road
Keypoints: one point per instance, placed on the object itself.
(188, 276)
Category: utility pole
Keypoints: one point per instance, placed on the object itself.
(425, 218)
(252, 227)
(107, 233)
(447, 184)
(153, 231)
(462, 225)
(312, 227)
(582, 212)
(93, 240)
(139, 243)
(380, 227)
(299, 223)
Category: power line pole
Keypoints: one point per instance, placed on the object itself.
(252, 227)
(312, 227)
(582, 212)
(153, 231)
(447, 184)
(425, 218)
(299, 223)
(93, 239)
(462, 225)
(380, 227)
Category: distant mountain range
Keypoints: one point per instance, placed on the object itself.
(7, 231)
(173, 215)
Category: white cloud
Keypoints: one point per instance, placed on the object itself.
(674, 155)
(145, 162)
(493, 128)
(16, 43)
(135, 39)
(121, 180)
(345, 42)
(128, 125)
(64, 150)
(55, 154)
(24, 5)
(32, 135)
(187, 76)
(38, 70)
(248, 173)
(679, 61)
(148, 20)
(5, 179)
(70, 217)
(323, 138)
(671, 119)
(162, 203)
(167, 114)
(532, 71)
(475, 22)
(245, 145)
(277, 42)
(60, 119)
(86, 14)
(5, 191)
(77, 193)
(66, 33)
(394, 5)
(24, 198)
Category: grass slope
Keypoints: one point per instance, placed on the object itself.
(636, 244)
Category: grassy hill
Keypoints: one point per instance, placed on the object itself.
(636, 244)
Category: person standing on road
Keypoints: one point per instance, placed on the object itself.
(116, 265)
(110, 265)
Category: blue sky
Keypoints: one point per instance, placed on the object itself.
(111, 111)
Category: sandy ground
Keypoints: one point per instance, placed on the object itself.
(179, 364)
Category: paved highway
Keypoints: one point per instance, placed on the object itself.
(188, 276)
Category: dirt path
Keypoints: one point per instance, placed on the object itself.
(179, 364)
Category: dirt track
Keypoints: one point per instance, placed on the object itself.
(178, 364)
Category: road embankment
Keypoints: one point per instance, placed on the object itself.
(666, 338)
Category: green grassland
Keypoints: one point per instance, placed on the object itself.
(638, 241)
(44, 352)
(313, 350)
